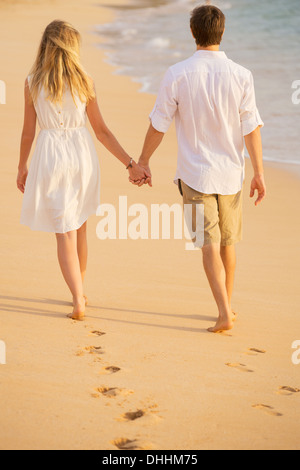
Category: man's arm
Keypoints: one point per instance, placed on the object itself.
(153, 140)
(254, 146)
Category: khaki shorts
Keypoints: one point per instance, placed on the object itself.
(223, 215)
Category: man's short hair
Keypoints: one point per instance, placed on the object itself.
(208, 25)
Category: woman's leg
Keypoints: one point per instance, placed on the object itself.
(82, 249)
(70, 267)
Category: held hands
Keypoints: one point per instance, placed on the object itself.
(21, 179)
(140, 174)
(258, 183)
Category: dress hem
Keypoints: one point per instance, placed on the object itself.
(77, 227)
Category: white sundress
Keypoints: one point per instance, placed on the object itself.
(63, 185)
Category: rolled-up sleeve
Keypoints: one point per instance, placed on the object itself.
(249, 114)
(166, 104)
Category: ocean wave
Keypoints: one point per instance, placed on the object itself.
(161, 43)
(149, 36)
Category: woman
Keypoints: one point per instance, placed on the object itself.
(61, 189)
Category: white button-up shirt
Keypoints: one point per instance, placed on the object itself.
(213, 101)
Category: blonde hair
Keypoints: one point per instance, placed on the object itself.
(57, 65)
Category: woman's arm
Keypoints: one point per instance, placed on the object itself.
(27, 138)
(105, 136)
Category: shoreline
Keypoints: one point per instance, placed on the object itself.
(144, 346)
(117, 60)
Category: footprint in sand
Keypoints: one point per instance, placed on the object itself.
(255, 351)
(132, 415)
(240, 367)
(149, 413)
(111, 392)
(267, 409)
(97, 333)
(110, 370)
(95, 350)
(90, 350)
(287, 391)
(128, 444)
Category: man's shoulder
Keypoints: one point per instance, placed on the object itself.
(181, 67)
(189, 64)
(239, 69)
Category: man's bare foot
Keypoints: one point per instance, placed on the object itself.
(221, 325)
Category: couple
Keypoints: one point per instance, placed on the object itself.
(213, 101)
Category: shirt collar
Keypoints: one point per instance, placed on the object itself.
(210, 54)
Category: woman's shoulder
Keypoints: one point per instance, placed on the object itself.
(28, 80)
(27, 83)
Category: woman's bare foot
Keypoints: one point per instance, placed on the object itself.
(76, 316)
(235, 315)
(86, 300)
(222, 325)
(79, 309)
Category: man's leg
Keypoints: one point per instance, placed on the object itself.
(231, 226)
(228, 256)
(216, 275)
(212, 260)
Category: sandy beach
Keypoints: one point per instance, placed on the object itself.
(141, 372)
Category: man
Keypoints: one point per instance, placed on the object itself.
(213, 100)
